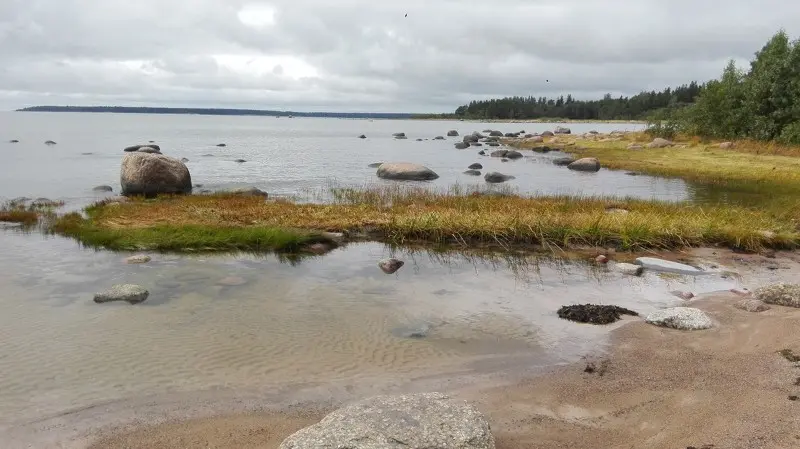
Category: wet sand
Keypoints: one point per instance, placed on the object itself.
(656, 388)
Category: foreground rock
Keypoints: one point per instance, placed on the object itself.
(683, 318)
(452, 133)
(420, 421)
(390, 266)
(629, 269)
(585, 164)
(752, 305)
(133, 148)
(133, 294)
(593, 314)
(496, 177)
(406, 171)
(779, 294)
(652, 263)
(153, 174)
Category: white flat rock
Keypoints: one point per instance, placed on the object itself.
(667, 266)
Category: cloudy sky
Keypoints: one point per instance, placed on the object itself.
(366, 55)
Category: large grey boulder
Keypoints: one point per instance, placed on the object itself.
(133, 294)
(683, 318)
(496, 177)
(779, 294)
(452, 133)
(470, 138)
(461, 146)
(585, 164)
(655, 264)
(133, 148)
(420, 421)
(406, 171)
(153, 174)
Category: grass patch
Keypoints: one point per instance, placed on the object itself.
(19, 211)
(25, 217)
(405, 215)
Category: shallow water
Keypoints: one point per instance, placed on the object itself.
(239, 322)
(284, 156)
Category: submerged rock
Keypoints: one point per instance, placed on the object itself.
(362, 136)
(655, 264)
(473, 172)
(438, 138)
(221, 145)
(419, 421)
(585, 164)
(475, 166)
(153, 174)
(779, 294)
(406, 171)
(375, 164)
(496, 177)
(396, 135)
(133, 148)
(683, 318)
(752, 305)
(103, 189)
(133, 294)
(13, 141)
(452, 133)
(593, 314)
(239, 161)
(232, 281)
(49, 142)
(390, 266)
(461, 145)
(138, 259)
(629, 269)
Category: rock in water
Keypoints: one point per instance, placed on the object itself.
(13, 141)
(149, 150)
(452, 133)
(652, 263)
(221, 145)
(585, 164)
(406, 171)
(184, 160)
(562, 130)
(473, 172)
(49, 142)
(752, 305)
(593, 314)
(375, 165)
(153, 174)
(499, 153)
(563, 161)
(138, 259)
(682, 294)
(461, 145)
(390, 266)
(496, 177)
(362, 136)
(512, 154)
(683, 318)
(247, 191)
(779, 294)
(239, 161)
(133, 148)
(629, 269)
(420, 421)
(103, 189)
(133, 294)
(438, 138)
(475, 166)
(399, 135)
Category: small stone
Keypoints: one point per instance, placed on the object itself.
(438, 138)
(563, 161)
(390, 266)
(319, 248)
(133, 294)
(752, 305)
(221, 145)
(137, 259)
(13, 141)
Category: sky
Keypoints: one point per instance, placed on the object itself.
(367, 55)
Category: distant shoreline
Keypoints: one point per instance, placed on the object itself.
(292, 114)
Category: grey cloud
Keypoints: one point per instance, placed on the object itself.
(367, 55)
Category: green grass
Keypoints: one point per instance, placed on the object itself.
(408, 215)
(189, 237)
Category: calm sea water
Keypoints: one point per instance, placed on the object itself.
(284, 156)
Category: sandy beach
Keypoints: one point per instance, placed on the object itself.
(657, 388)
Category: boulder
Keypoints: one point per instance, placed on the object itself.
(512, 154)
(473, 172)
(547, 134)
(419, 421)
(362, 137)
(495, 177)
(153, 174)
(133, 148)
(133, 294)
(406, 171)
(499, 153)
(563, 161)
(103, 189)
(475, 166)
(390, 266)
(683, 318)
(629, 269)
(779, 294)
(585, 164)
(726, 145)
(593, 314)
(496, 134)
(482, 152)
(562, 130)
(438, 138)
(49, 142)
(655, 264)
(138, 259)
(452, 133)
(419, 140)
(247, 191)
(658, 142)
(752, 305)
(476, 144)
(461, 145)
(469, 139)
